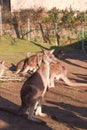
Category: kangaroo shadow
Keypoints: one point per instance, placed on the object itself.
(75, 53)
(9, 121)
(13, 67)
(74, 64)
(82, 78)
(72, 116)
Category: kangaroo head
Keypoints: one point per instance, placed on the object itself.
(28, 54)
(2, 67)
(48, 55)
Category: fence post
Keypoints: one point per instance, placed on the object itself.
(1, 17)
(83, 31)
(56, 32)
(28, 29)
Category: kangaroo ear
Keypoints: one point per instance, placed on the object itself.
(43, 50)
(52, 51)
(39, 59)
(28, 54)
(3, 62)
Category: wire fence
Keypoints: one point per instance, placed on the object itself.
(60, 35)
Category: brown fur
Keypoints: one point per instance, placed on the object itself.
(32, 63)
(20, 65)
(29, 64)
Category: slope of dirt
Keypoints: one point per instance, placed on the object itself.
(66, 106)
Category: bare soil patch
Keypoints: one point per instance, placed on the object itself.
(66, 106)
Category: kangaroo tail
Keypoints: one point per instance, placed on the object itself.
(70, 83)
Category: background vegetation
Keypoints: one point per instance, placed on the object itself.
(44, 26)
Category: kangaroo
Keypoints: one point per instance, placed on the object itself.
(58, 71)
(2, 68)
(32, 64)
(20, 65)
(34, 88)
(29, 64)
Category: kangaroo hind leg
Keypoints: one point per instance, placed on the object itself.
(38, 109)
(22, 109)
(31, 113)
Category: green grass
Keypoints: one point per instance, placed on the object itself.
(13, 50)
(10, 46)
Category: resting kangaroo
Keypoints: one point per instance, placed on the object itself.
(29, 64)
(58, 71)
(34, 88)
(20, 65)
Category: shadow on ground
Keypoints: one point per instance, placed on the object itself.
(72, 116)
(9, 121)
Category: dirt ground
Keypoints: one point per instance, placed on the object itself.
(66, 106)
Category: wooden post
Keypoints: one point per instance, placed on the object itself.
(83, 31)
(56, 32)
(1, 4)
(28, 29)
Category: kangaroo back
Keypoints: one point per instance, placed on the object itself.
(20, 65)
(30, 63)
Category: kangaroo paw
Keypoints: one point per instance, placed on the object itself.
(36, 120)
(52, 86)
(41, 114)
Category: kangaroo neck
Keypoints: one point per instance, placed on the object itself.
(44, 70)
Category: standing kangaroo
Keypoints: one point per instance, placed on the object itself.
(34, 88)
